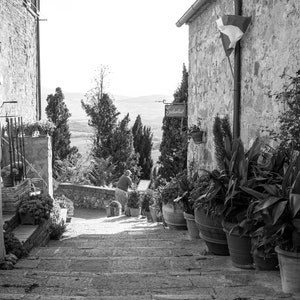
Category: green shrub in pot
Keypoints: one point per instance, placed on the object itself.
(37, 205)
(134, 199)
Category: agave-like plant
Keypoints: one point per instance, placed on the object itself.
(274, 215)
(241, 175)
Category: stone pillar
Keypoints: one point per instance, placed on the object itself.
(38, 152)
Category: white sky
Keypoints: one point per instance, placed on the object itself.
(137, 39)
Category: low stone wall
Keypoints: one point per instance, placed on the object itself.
(87, 196)
(40, 236)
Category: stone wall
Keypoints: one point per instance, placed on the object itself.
(269, 48)
(18, 59)
(86, 196)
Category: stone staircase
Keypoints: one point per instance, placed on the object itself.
(127, 258)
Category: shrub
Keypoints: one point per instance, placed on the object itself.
(134, 199)
(38, 205)
(13, 245)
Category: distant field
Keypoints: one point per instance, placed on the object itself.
(150, 108)
(83, 143)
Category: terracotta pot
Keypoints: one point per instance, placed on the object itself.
(198, 136)
(211, 231)
(239, 247)
(289, 266)
(134, 212)
(27, 219)
(173, 216)
(269, 263)
(191, 226)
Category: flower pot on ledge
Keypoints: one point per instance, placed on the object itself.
(199, 137)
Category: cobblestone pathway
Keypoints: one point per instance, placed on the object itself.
(127, 258)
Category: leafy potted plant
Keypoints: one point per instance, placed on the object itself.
(241, 177)
(193, 187)
(279, 206)
(57, 225)
(133, 203)
(66, 205)
(34, 209)
(210, 205)
(173, 211)
(146, 202)
(155, 207)
(197, 133)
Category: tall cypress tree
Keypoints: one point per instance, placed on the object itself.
(122, 150)
(103, 117)
(58, 113)
(142, 142)
(173, 148)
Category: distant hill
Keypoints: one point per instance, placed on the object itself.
(149, 107)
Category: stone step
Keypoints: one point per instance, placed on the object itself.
(128, 251)
(123, 264)
(238, 283)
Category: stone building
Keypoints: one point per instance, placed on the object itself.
(19, 59)
(269, 48)
(19, 72)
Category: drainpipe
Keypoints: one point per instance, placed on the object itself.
(237, 79)
(38, 57)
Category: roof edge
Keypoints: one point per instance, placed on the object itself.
(191, 12)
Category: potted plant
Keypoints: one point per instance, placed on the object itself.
(133, 203)
(193, 187)
(279, 205)
(66, 205)
(155, 207)
(146, 202)
(241, 178)
(197, 133)
(173, 211)
(34, 209)
(210, 205)
(57, 225)
(267, 183)
(42, 127)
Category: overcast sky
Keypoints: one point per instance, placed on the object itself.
(137, 39)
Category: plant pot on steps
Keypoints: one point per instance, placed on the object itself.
(239, 247)
(148, 216)
(265, 263)
(27, 219)
(191, 226)
(211, 231)
(289, 266)
(134, 212)
(173, 216)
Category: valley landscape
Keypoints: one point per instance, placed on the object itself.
(149, 107)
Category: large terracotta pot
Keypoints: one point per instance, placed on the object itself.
(191, 226)
(134, 212)
(269, 263)
(289, 266)
(173, 216)
(239, 247)
(211, 231)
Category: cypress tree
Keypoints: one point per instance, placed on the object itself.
(142, 142)
(122, 150)
(173, 148)
(58, 113)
